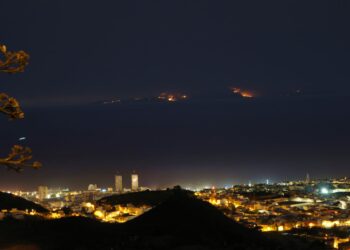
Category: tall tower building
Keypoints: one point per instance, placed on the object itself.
(134, 182)
(42, 192)
(307, 180)
(118, 183)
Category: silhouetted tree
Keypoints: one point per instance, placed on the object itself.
(14, 62)
(177, 187)
(67, 210)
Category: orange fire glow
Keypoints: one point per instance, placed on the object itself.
(243, 93)
(247, 94)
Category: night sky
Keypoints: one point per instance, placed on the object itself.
(293, 55)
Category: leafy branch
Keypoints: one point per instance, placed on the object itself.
(12, 62)
(10, 107)
(18, 158)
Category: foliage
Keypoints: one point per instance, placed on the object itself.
(10, 107)
(18, 158)
(14, 62)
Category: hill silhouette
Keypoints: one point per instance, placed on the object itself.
(10, 201)
(185, 220)
(151, 198)
(180, 222)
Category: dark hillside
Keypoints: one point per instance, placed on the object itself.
(180, 222)
(183, 219)
(9, 201)
(151, 198)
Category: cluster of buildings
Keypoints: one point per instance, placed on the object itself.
(119, 213)
(61, 202)
(314, 209)
(44, 193)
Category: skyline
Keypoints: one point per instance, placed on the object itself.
(120, 186)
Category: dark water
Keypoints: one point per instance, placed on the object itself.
(191, 143)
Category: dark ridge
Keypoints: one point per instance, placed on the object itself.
(192, 221)
(183, 220)
(65, 233)
(264, 195)
(10, 201)
(151, 198)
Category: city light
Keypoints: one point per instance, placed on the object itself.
(172, 97)
(324, 190)
(281, 207)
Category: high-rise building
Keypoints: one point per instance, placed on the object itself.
(118, 183)
(134, 182)
(307, 180)
(43, 192)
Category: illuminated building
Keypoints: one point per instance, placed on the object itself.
(42, 192)
(118, 183)
(134, 182)
(92, 187)
(307, 181)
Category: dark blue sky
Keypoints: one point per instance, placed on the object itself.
(84, 51)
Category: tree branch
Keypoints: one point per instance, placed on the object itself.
(18, 158)
(10, 107)
(12, 62)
